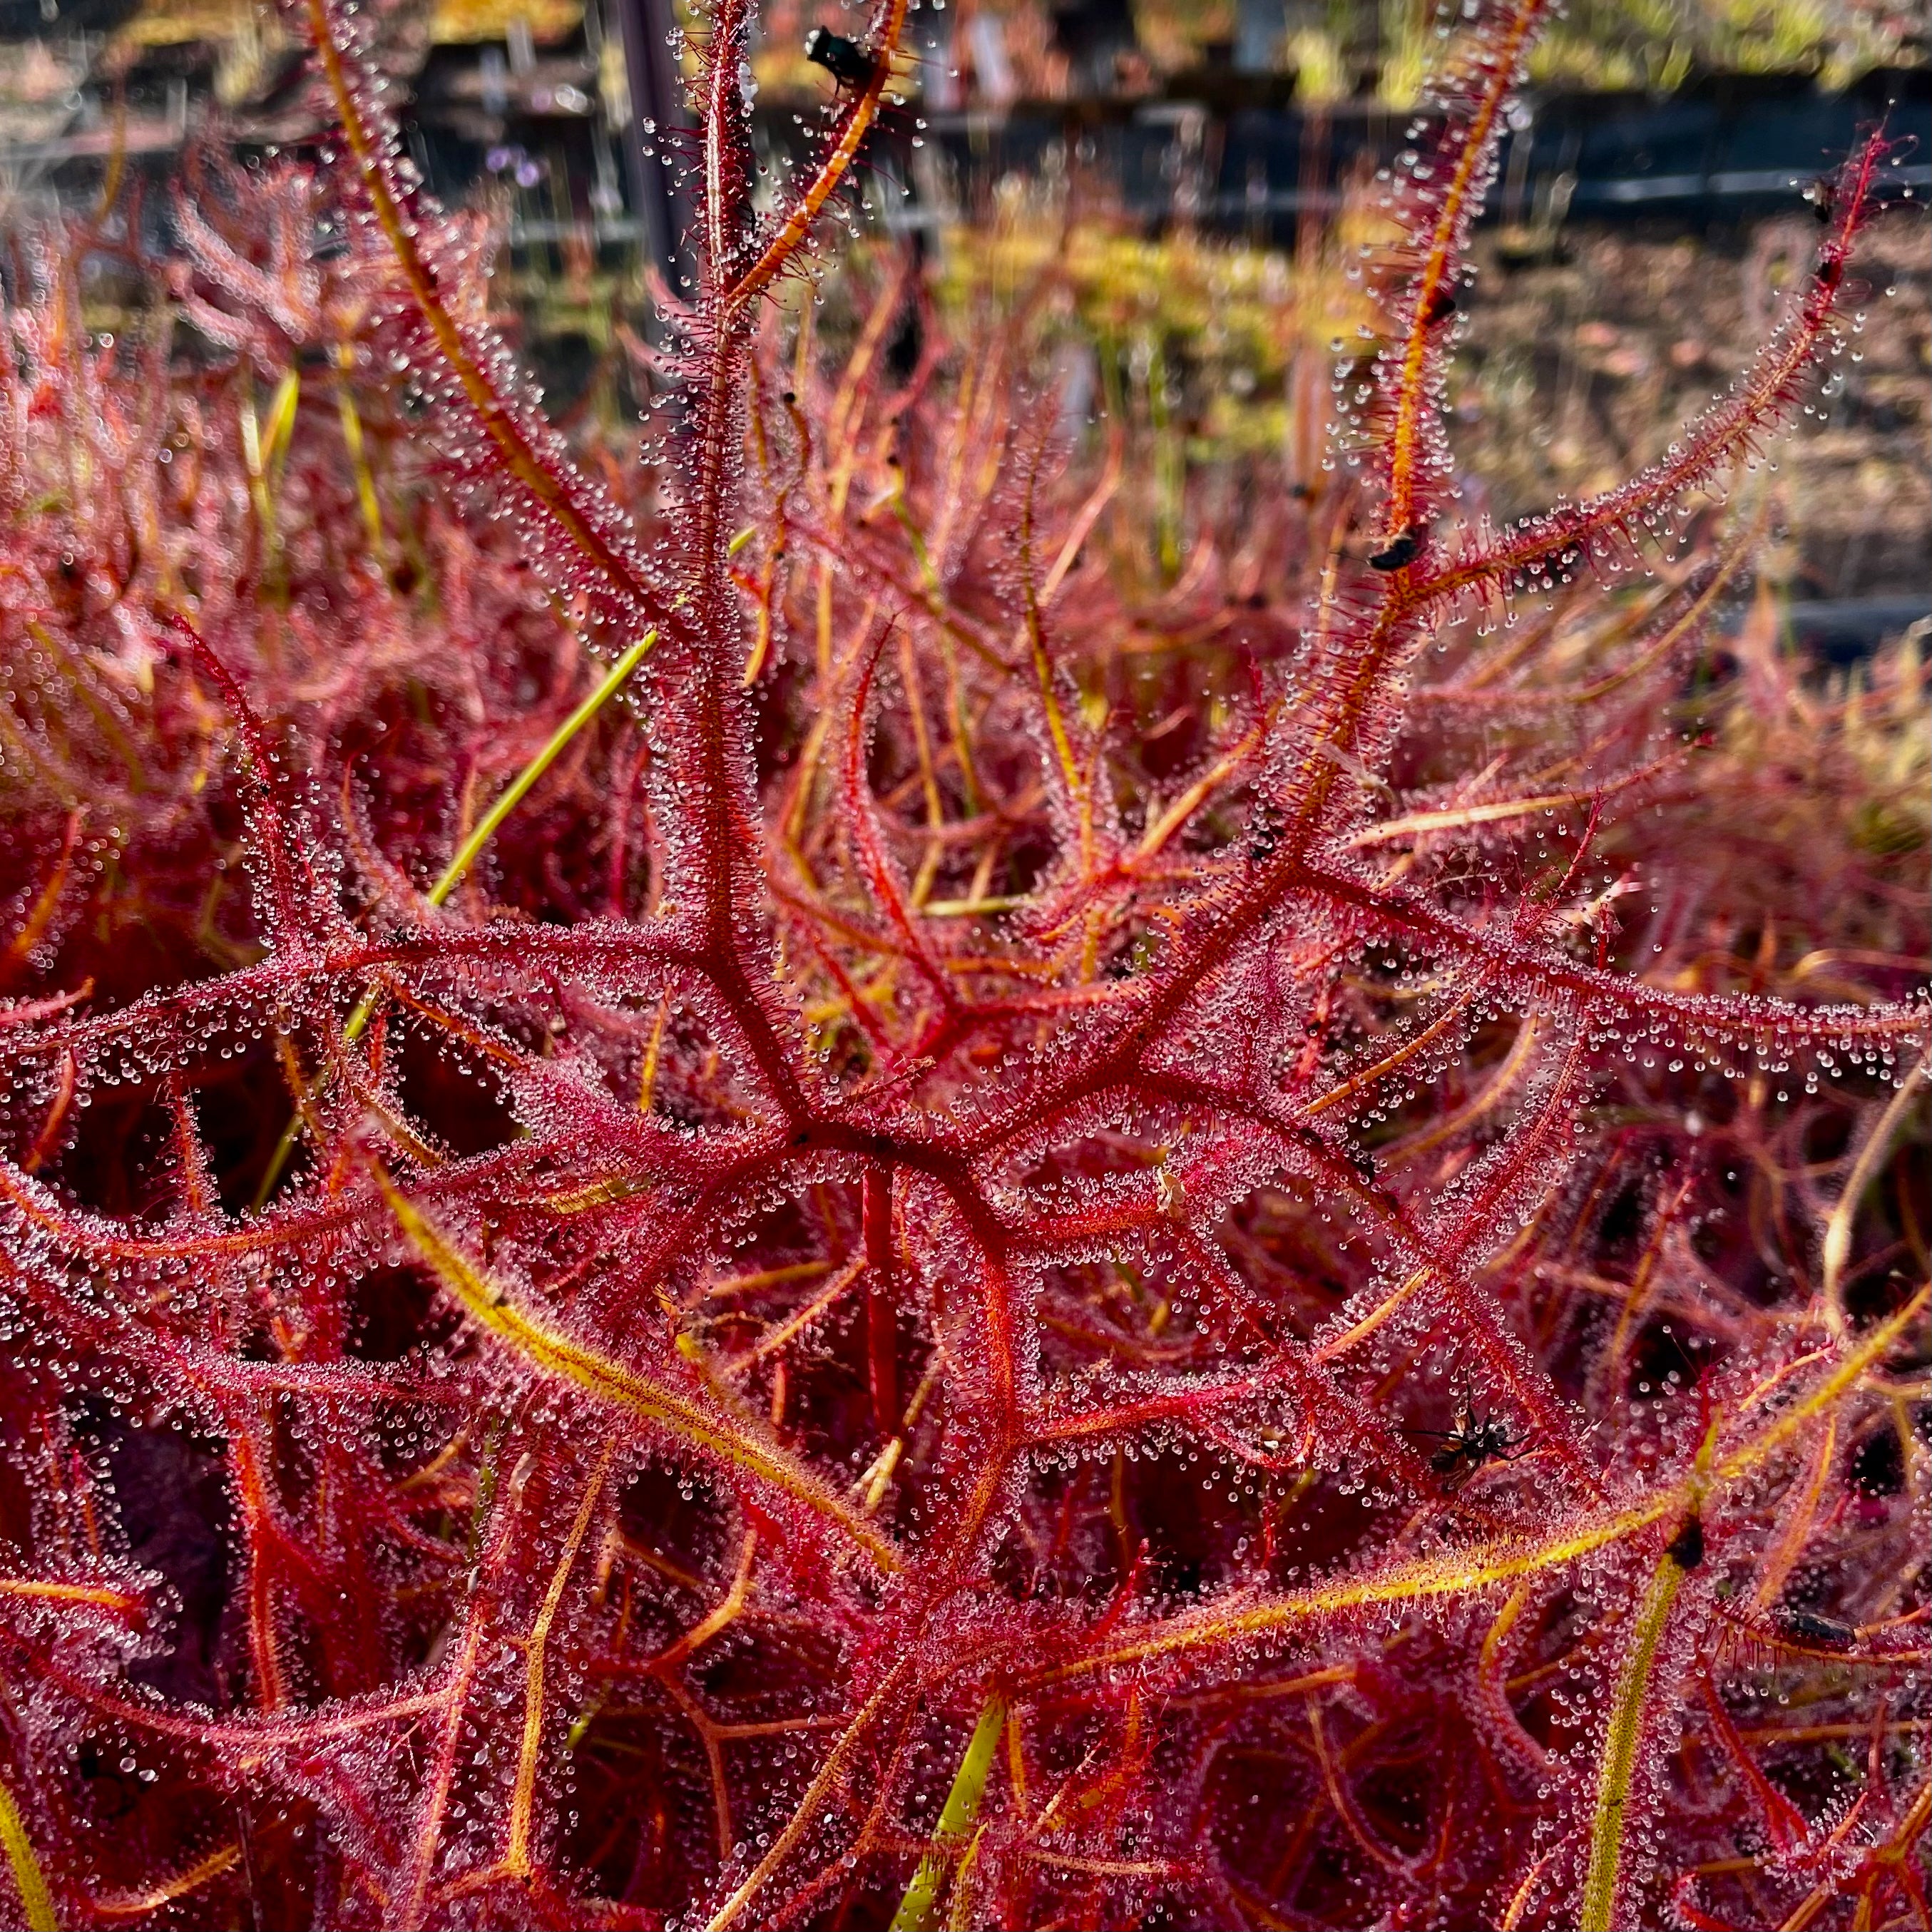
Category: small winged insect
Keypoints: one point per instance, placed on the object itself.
(1399, 552)
(1477, 1438)
(848, 63)
(1807, 1627)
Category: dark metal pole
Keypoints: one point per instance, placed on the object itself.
(657, 106)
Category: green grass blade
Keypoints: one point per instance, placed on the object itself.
(919, 1909)
(35, 1899)
(513, 794)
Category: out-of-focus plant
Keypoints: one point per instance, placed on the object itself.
(1658, 44)
(901, 1169)
(1381, 47)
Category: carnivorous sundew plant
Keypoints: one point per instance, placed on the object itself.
(745, 1184)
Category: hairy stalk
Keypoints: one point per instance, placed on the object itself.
(1480, 1567)
(534, 468)
(1836, 1248)
(513, 794)
(516, 1862)
(824, 1785)
(1621, 1743)
(1430, 298)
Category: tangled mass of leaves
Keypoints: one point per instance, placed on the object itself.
(1012, 1245)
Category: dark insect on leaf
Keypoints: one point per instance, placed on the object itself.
(1476, 1439)
(846, 61)
(1808, 1627)
(1823, 197)
(1686, 1548)
(1399, 552)
(1441, 307)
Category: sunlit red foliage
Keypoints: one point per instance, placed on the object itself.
(1030, 1248)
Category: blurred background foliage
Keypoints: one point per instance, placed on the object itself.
(1332, 49)
(1173, 190)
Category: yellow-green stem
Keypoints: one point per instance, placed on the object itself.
(725, 1435)
(358, 455)
(451, 876)
(918, 1910)
(35, 1899)
(513, 794)
(1620, 1750)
